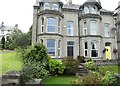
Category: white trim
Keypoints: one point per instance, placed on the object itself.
(46, 6)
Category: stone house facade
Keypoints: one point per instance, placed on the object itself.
(72, 30)
(117, 17)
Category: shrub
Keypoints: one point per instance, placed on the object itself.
(33, 69)
(90, 65)
(56, 67)
(35, 62)
(93, 78)
(71, 66)
(81, 59)
(89, 59)
(109, 79)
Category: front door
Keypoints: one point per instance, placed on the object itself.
(108, 52)
(70, 51)
(70, 48)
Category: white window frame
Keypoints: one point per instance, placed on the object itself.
(55, 7)
(85, 49)
(97, 48)
(51, 47)
(93, 29)
(52, 25)
(86, 10)
(94, 10)
(59, 47)
(107, 30)
(71, 29)
(46, 6)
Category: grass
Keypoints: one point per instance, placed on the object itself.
(9, 61)
(111, 68)
(59, 80)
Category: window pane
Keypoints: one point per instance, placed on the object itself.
(86, 10)
(107, 30)
(46, 6)
(85, 52)
(54, 7)
(93, 28)
(94, 53)
(51, 22)
(86, 47)
(94, 10)
(51, 46)
(94, 50)
(70, 28)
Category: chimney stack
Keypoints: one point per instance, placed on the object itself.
(99, 2)
(69, 2)
(2, 24)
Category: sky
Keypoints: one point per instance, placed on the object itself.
(21, 11)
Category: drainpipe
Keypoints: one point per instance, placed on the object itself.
(37, 25)
(78, 33)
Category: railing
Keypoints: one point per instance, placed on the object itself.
(107, 62)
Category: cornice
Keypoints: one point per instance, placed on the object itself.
(91, 36)
(90, 16)
(50, 34)
(70, 10)
(54, 12)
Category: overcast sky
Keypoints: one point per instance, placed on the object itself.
(21, 11)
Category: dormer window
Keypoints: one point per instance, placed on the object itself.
(54, 7)
(94, 10)
(86, 10)
(46, 6)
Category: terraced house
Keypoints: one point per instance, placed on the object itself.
(117, 15)
(72, 30)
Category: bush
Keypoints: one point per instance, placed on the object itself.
(56, 67)
(93, 78)
(81, 59)
(109, 79)
(35, 62)
(71, 66)
(33, 69)
(90, 65)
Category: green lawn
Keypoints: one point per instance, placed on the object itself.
(9, 61)
(59, 80)
(112, 68)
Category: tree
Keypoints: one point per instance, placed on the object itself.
(3, 42)
(8, 43)
(23, 40)
(30, 34)
(18, 39)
